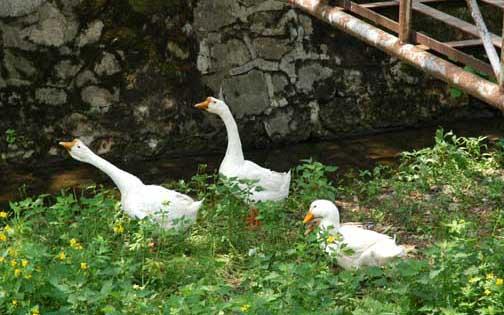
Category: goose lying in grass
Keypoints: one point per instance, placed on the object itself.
(273, 185)
(367, 248)
(166, 207)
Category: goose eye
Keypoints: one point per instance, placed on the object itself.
(78, 147)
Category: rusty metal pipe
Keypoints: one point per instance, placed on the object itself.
(439, 68)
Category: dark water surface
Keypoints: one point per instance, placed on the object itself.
(356, 152)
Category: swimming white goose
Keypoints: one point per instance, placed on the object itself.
(166, 207)
(274, 185)
(368, 248)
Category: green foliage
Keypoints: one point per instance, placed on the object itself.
(79, 254)
(455, 92)
(10, 136)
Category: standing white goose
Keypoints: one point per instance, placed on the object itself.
(274, 186)
(166, 207)
(368, 248)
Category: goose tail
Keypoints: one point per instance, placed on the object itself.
(389, 250)
(197, 205)
(286, 185)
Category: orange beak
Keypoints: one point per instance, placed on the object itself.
(203, 105)
(68, 145)
(308, 217)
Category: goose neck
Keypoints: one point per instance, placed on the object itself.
(123, 180)
(234, 150)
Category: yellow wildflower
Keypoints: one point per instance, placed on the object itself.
(13, 263)
(12, 251)
(487, 292)
(2, 259)
(490, 276)
(3, 237)
(24, 262)
(83, 266)
(473, 280)
(35, 311)
(330, 239)
(118, 229)
(61, 255)
(245, 307)
(3, 214)
(17, 272)
(7, 229)
(499, 281)
(14, 302)
(75, 244)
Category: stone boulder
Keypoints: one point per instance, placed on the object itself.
(54, 28)
(14, 8)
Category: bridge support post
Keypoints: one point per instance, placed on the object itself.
(405, 20)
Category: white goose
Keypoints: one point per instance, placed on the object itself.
(274, 185)
(368, 248)
(166, 207)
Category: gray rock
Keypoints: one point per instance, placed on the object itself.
(2, 82)
(66, 69)
(279, 83)
(54, 28)
(311, 73)
(261, 64)
(91, 35)
(108, 65)
(15, 37)
(84, 78)
(246, 94)
(267, 23)
(306, 22)
(51, 96)
(278, 124)
(16, 8)
(83, 128)
(400, 73)
(100, 99)
(230, 54)
(271, 48)
(204, 62)
(69, 5)
(20, 70)
(211, 15)
(66, 51)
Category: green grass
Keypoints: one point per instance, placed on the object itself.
(79, 254)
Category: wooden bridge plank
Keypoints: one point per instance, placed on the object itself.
(454, 21)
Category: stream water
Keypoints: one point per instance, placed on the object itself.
(357, 152)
